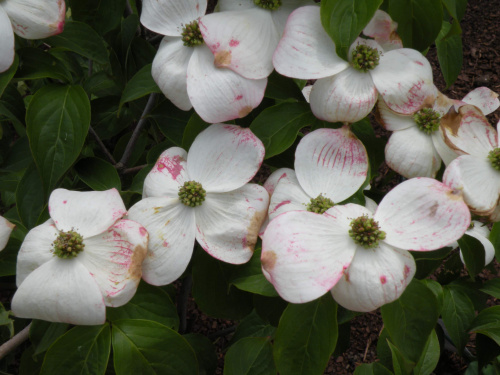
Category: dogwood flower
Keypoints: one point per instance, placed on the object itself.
(30, 19)
(245, 33)
(202, 195)
(84, 258)
(477, 170)
(184, 67)
(5, 230)
(330, 166)
(347, 91)
(383, 29)
(359, 255)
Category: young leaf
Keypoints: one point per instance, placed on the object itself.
(306, 337)
(58, 119)
(81, 350)
(449, 51)
(250, 356)
(430, 356)
(344, 20)
(146, 347)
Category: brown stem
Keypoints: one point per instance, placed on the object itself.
(14, 342)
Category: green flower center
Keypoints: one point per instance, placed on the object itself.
(268, 4)
(365, 58)
(494, 157)
(191, 35)
(365, 232)
(192, 194)
(471, 226)
(427, 120)
(319, 204)
(68, 244)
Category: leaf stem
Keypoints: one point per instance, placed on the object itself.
(134, 169)
(102, 146)
(15, 341)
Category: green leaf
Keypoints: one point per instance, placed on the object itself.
(30, 364)
(43, 334)
(344, 20)
(473, 253)
(430, 356)
(374, 145)
(456, 8)
(410, 319)
(103, 16)
(282, 88)
(249, 277)
(36, 63)
(150, 303)
(8, 257)
(82, 39)
(400, 364)
(371, 369)
(492, 287)
(437, 289)
(495, 239)
(250, 356)
(194, 127)
(252, 326)
(212, 290)
(278, 126)
(146, 347)
(205, 353)
(30, 198)
(458, 313)
(449, 51)
(269, 308)
(171, 121)
(488, 323)
(138, 181)
(6, 76)
(98, 174)
(306, 337)
(140, 85)
(58, 119)
(419, 21)
(82, 350)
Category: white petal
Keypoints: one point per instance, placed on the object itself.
(220, 95)
(226, 5)
(374, 278)
(468, 132)
(168, 174)
(228, 223)
(6, 228)
(6, 42)
(280, 15)
(288, 196)
(36, 19)
(383, 29)
(481, 233)
(305, 50)
(114, 259)
(304, 254)
(445, 152)
(36, 249)
(411, 153)
(168, 17)
(61, 290)
(86, 212)
(224, 157)
(332, 162)
(422, 214)
(404, 79)
(393, 121)
(371, 205)
(243, 41)
(275, 177)
(171, 228)
(347, 96)
(483, 98)
(479, 182)
(169, 71)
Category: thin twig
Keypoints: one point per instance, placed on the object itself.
(183, 301)
(14, 342)
(135, 135)
(134, 169)
(102, 146)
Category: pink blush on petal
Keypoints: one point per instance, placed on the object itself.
(234, 43)
(383, 279)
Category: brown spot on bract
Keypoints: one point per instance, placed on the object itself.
(254, 228)
(222, 59)
(135, 269)
(455, 194)
(433, 209)
(268, 260)
(245, 111)
(451, 121)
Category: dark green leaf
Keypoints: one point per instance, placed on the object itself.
(410, 319)
(6, 76)
(306, 337)
(473, 253)
(140, 85)
(488, 323)
(171, 121)
(103, 16)
(278, 126)
(146, 347)
(374, 145)
(252, 326)
(98, 174)
(138, 181)
(82, 350)
(30, 197)
(492, 287)
(419, 21)
(282, 88)
(150, 303)
(344, 20)
(250, 356)
(401, 364)
(269, 308)
(8, 257)
(437, 289)
(430, 356)
(194, 127)
(371, 369)
(82, 39)
(205, 353)
(36, 63)
(449, 51)
(495, 239)
(43, 334)
(456, 8)
(30, 364)
(58, 119)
